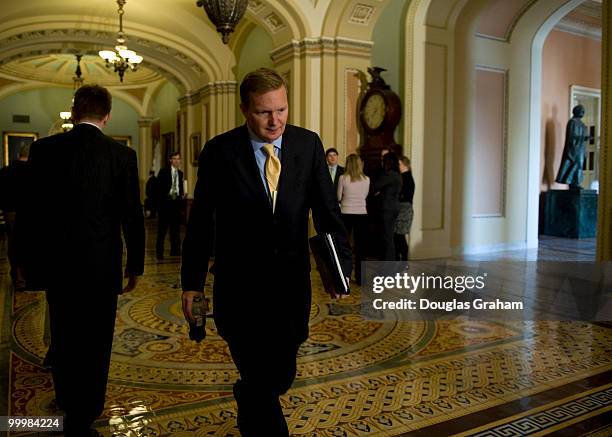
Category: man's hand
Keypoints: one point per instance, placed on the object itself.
(340, 296)
(131, 284)
(188, 303)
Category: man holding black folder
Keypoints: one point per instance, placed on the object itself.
(260, 180)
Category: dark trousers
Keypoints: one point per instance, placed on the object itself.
(169, 217)
(401, 247)
(267, 371)
(387, 225)
(82, 327)
(358, 225)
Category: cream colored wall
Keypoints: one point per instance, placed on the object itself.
(387, 53)
(567, 60)
(442, 55)
(43, 105)
(165, 105)
(254, 54)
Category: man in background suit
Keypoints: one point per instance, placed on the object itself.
(335, 170)
(262, 266)
(84, 190)
(13, 179)
(170, 204)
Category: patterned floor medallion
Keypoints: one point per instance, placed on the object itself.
(356, 377)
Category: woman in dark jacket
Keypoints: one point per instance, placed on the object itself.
(404, 218)
(386, 189)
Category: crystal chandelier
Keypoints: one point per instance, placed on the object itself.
(224, 14)
(66, 116)
(121, 58)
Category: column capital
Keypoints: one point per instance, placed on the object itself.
(219, 87)
(319, 46)
(189, 99)
(145, 121)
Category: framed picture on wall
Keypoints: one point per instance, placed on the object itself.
(196, 147)
(126, 140)
(12, 142)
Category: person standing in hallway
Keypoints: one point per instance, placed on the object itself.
(260, 179)
(385, 191)
(150, 205)
(83, 191)
(335, 170)
(13, 179)
(353, 188)
(170, 204)
(404, 217)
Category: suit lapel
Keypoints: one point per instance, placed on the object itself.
(247, 166)
(288, 157)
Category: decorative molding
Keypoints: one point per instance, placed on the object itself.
(444, 144)
(361, 14)
(409, 75)
(274, 22)
(256, 6)
(189, 99)
(508, 34)
(504, 159)
(145, 121)
(579, 28)
(347, 111)
(96, 37)
(216, 88)
(322, 45)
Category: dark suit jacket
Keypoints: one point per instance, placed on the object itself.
(84, 189)
(262, 260)
(12, 181)
(339, 172)
(385, 191)
(164, 183)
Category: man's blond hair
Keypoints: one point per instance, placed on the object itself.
(260, 81)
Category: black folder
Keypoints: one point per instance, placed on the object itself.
(325, 252)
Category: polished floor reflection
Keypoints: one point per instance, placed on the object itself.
(356, 377)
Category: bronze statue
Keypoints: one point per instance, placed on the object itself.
(570, 171)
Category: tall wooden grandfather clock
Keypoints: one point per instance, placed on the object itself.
(380, 111)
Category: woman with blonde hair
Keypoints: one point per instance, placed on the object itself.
(353, 188)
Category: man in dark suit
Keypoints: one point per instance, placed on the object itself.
(84, 190)
(170, 204)
(335, 170)
(13, 179)
(260, 179)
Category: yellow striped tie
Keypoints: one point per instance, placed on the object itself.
(273, 169)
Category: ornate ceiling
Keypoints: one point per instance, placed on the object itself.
(60, 69)
(584, 20)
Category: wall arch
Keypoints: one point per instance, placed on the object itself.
(442, 48)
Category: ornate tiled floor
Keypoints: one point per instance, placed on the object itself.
(355, 377)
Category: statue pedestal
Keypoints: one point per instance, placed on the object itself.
(569, 213)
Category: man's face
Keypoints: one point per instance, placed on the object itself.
(175, 161)
(332, 159)
(267, 113)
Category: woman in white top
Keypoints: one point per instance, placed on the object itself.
(353, 188)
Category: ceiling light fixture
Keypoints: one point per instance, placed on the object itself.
(78, 82)
(121, 58)
(224, 14)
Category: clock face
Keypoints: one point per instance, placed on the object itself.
(374, 111)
